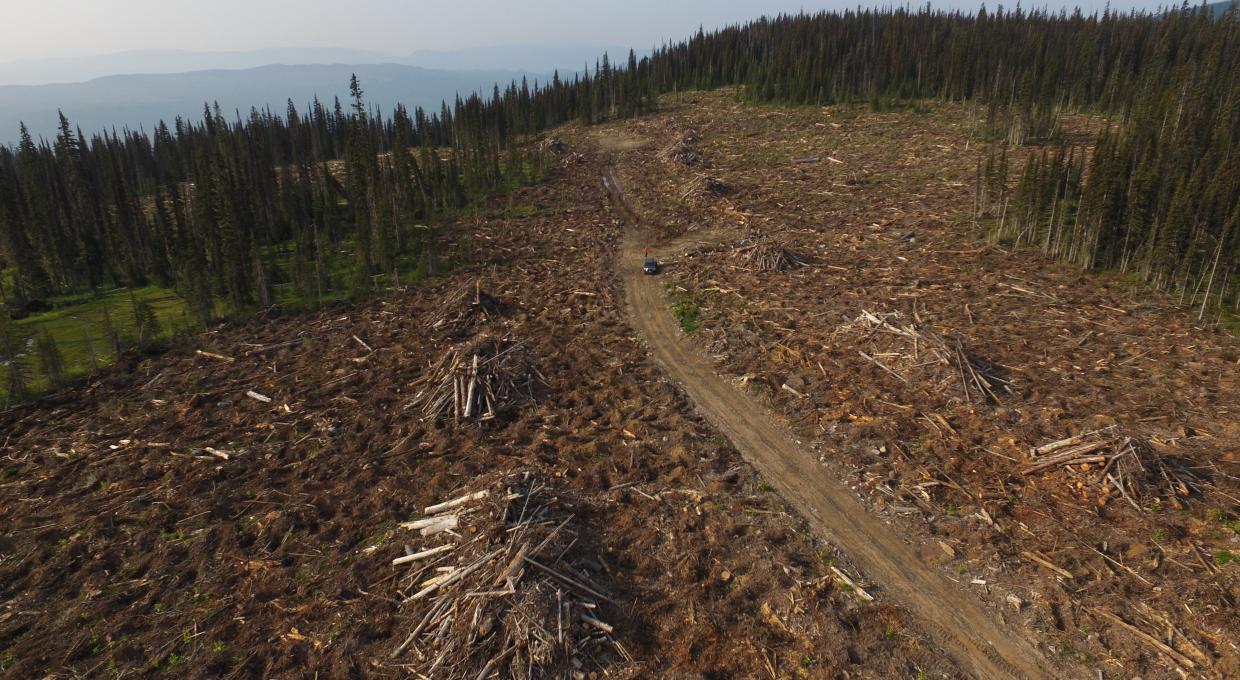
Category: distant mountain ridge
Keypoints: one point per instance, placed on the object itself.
(1220, 8)
(541, 58)
(141, 101)
(144, 62)
(532, 58)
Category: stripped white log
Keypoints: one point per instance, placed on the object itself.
(1055, 446)
(213, 355)
(473, 384)
(424, 522)
(216, 452)
(406, 559)
(456, 502)
(455, 576)
(258, 397)
(443, 576)
(849, 582)
(445, 523)
(605, 627)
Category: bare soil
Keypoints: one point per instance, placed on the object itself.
(881, 203)
(984, 647)
(159, 522)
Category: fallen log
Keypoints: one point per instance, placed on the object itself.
(456, 502)
(851, 584)
(279, 345)
(1068, 455)
(440, 524)
(1040, 559)
(213, 355)
(1179, 658)
(430, 552)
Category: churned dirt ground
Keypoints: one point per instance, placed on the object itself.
(971, 636)
(159, 522)
(923, 364)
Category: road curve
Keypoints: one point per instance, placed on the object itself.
(949, 616)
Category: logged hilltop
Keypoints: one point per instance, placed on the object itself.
(318, 200)
(273, 471)
(831, 345)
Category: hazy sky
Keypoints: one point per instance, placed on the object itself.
(36, 29)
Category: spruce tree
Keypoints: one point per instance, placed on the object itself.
(50, 359)
(11, 360)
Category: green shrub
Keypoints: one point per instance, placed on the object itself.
(686, 310)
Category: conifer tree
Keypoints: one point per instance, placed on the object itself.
(50, 359)
(11, 360)
(146, 325)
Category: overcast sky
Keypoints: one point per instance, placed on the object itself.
(37, 29)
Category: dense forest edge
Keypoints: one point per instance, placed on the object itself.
(230, 214)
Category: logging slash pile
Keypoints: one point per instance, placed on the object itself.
(908, 350)
(717, 187)
(503, 586)
(683, 150)
(477, 380)
(1103, 465)
(555, 145)
(766, 254)
(465, 307)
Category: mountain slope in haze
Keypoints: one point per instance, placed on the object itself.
(80, 69)
(532, 58)
(135, 101)
(1218, 9)
(537, 58)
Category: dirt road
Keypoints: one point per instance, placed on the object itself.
(949, 615)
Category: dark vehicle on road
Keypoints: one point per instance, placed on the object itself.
(651, 266)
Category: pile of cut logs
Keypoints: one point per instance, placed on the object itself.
(717, 187)
(499, 589)
(476, 380)
(1109, 465)
(553, 144)
(768, 255)
(920, 347)
(464, 308)
(683, 150)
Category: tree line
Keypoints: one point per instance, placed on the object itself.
(200, 205)
(328, 201)
(209, 207)
(1157, 193)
